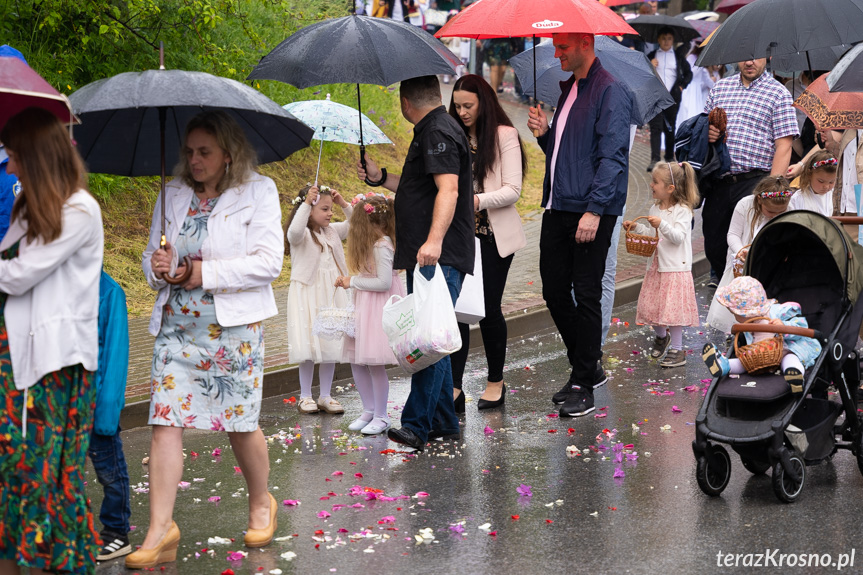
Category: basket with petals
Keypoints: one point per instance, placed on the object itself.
(641, 245)
(334, 322)
(740, 261)
(761, 356)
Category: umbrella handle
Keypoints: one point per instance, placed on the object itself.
(187, 261)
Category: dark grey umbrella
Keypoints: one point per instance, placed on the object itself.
(629, 66)
(847, 76)
(648, 27)
(818, 59)
(131, 122)
(768, 28)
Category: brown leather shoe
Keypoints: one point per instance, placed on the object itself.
(164, 552)
(263, 537)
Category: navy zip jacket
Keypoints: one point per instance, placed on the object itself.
(593, 159)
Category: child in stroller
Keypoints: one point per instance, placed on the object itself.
(746, 299)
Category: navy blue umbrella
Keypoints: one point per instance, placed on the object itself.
(629, 66)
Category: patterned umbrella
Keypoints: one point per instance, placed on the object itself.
(831, 110)
(334, 122)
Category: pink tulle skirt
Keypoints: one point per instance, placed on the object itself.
(371, 347)
(667, 299)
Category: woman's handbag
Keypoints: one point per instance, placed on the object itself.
(470, 305)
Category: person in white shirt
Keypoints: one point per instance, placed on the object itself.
(816, 185)
(676, 74)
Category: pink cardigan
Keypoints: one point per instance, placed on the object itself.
(502, 189)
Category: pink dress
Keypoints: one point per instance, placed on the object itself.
(371, 292)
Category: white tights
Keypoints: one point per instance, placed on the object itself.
(788, 360)
(325, 375)
(374, 387)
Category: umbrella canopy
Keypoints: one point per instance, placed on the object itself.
(703, 27)
(847, 76)
(649, 26)
(121, 134)
(629, 66)
(831, 110)
(334, 122)
(517, 18)
(355, 50)
(778, 27)
(731, 6)
(818, 59)
(21, 87)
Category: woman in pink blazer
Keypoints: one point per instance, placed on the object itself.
(498, 165)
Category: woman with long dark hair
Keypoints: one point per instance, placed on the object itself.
(499, 162)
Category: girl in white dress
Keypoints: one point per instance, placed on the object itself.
(816, 185)
(317, 260)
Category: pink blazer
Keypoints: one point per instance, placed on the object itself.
(502, 189)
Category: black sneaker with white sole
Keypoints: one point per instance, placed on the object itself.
(578, 403)
(115, 546)
(600, 378)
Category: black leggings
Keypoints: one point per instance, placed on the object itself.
(493, 325)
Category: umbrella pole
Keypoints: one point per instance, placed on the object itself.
(164, 241)
(808, 63)
(362, 143)
(320, 153)
(535, 99)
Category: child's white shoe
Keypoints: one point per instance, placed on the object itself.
(330, 405)
(307, 405)
(361, 421)
(376, 426)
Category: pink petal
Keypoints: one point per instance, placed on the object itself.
(421, 494)
(291, 502)
(323, 514)
(488, 430)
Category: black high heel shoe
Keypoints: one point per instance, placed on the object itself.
(459, 402)
(488, 404)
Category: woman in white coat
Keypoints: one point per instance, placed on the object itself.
(498, 165)
(208, 359)
(50, 262)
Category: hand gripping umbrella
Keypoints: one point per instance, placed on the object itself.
(523, 18)
(355, 50)
(132, 121)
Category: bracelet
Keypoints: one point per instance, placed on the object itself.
(379, 182)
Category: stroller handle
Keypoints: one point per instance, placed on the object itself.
(771, 328)
(849, 220)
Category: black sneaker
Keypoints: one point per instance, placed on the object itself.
(579, 402)
(714, 281)
(115, 546)
(599, 379)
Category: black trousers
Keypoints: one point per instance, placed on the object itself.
(493, 325)
(568, 268)
(664, 123)
(719, 202)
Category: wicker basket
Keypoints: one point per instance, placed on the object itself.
(762, 356)
(740, 261)
(640, 245)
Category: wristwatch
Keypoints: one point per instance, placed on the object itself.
(596, 214)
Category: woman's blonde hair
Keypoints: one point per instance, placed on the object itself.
(49, 168)
(230, 137)
(297, 202)
(774, 191)
(825, 161)
(682, 177)
(373, 218)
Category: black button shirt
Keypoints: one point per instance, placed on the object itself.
(439, 146)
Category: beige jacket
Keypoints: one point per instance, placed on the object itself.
(502, 189)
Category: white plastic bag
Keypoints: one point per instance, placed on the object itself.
(470, 305)
(421, 327)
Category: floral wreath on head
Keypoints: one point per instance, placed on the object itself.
(822, 163)
(302, 197)
(368, 208)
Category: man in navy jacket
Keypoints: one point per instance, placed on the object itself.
(586, 173)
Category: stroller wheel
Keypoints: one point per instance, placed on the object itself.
(713, 470)
(858, 444)
(755, 467)
(786, 488)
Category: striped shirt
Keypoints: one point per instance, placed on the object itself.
(758, 115)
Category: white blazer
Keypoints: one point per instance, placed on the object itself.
(242, 255)
(52, 313)
(502, 187)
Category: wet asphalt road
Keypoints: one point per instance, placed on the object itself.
(580, 518)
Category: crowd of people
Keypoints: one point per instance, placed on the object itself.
(456, 193)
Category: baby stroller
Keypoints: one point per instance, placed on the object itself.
(804, 257)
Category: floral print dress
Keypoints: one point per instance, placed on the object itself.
(204, 375)
(45, 517)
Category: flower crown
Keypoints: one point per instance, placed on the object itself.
(368, 208)
(774, 194)
(302, 198)
(822, 163)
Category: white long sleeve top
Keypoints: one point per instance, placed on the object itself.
(383, 280)
(674, 250)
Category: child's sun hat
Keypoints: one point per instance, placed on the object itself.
(744, 296)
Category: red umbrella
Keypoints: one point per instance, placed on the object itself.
(831, 110)
(517, 18)
(21, 87)
(731, 6)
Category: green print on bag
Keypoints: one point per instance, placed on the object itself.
(406, 322)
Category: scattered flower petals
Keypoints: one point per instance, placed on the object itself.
(214, 499)
(524, 490)
(675, 409)
(289, 555)
(619, 473)
(291, 502)
(488, 430)
(421, 494)
(323, 514)
(514, 517)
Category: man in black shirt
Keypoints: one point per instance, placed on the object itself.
(434, 225)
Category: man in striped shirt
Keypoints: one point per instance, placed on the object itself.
(761, 126)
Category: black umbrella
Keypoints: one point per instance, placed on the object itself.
(629, 66)
(648, 27)
(847, 76)
(768, 28)
(132, 121)
(356, 50)
(818, 59)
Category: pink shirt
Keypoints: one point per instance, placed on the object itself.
(559, 124)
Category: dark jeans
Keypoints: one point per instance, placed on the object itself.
(719, 203)
(429, 404)
(664, 123)
(493, 325)
(106, 453)
(571, 269)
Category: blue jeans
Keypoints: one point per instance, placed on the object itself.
(106, 453)
(429, 405)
